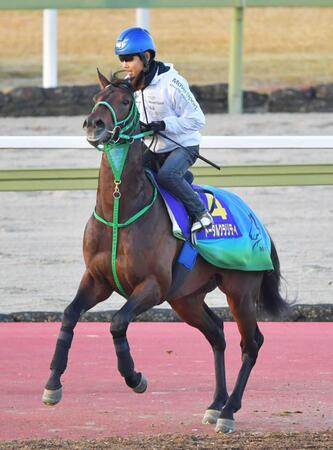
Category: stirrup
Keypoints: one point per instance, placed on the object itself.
(204, 221)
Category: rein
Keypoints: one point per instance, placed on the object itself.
(116, 153)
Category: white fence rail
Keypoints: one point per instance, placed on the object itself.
(290, 174)
(208, 142)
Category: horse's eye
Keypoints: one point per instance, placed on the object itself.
(125, 102)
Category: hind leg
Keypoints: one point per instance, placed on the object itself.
(90, 293)
(193, 310)
(242, 306)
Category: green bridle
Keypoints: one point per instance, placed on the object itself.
(123, 129)
(116, 151)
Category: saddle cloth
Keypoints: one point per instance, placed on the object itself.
(236, 240)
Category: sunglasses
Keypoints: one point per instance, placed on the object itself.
(126, 58)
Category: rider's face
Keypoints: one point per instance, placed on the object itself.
(132, 64)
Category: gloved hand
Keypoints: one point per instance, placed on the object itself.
(153, 126)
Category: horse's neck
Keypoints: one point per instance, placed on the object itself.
(135, 189)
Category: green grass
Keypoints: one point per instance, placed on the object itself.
(264, 175)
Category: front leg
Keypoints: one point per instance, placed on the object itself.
(89, 294)
(145, 296)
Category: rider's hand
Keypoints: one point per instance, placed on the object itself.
(153, 126)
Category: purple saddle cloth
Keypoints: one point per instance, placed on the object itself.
(237, 239)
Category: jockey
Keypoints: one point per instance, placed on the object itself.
(166, 105)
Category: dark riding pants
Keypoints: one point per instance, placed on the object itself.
(171, 168)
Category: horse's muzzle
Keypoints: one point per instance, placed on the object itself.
(96, 132)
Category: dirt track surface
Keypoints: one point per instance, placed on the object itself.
(237, 441)
(41, 232)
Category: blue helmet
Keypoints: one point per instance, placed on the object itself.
(134, 40)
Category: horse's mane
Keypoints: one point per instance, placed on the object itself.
(118, 79)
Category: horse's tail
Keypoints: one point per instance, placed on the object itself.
(270, 296)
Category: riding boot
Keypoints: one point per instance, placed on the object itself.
(203, 222)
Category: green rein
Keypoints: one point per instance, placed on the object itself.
(116, 154)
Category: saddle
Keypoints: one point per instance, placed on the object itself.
(236, 240)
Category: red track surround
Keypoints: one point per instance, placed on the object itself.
(291, 387)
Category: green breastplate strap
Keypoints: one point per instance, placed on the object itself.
(116, 155)
(121, 137)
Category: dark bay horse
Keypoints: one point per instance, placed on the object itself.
(129, 248)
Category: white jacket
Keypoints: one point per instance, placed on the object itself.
(168, 98)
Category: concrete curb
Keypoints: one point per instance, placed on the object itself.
(298, 313)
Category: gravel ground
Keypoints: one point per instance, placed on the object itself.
(41, 232)
(237, 441)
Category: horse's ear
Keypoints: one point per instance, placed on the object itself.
(103, 81)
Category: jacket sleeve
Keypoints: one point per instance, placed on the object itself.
(188, 116)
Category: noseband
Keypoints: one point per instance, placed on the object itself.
(123, 129)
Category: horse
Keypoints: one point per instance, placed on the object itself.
(130, 227)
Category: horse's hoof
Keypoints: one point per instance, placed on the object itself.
(211, 416)
(225, 426)
(52, 397)
(142, 386)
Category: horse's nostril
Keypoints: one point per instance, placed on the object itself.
(85, 124)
